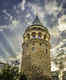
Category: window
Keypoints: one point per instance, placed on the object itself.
(39, 35)
(46, 51)
(40, 44)
(33, 43)
(28, 35)
(45, 36)
(33, 35)
(33, 48)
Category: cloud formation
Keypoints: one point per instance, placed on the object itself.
(21, 14)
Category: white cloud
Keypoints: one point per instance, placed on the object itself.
(62, 23)
(28, 15)
(5, 11)
(55, 32)
(2, 28)
(22, 5)
(53, 67)
(54, 51)
(52, 7)
(15, 22)
(62, 27)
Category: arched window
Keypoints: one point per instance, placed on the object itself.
(39, 35)
(33, 35)
(33, 48)
(46, 50)
(45, 36)
(28, 35)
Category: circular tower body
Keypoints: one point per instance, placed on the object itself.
(36, 52)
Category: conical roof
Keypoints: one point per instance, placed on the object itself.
(36, 21)
(36, 25)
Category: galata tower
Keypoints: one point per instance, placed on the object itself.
(36, 51)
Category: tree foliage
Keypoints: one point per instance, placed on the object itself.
(9, 73)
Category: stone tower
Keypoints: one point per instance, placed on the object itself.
(36, 51)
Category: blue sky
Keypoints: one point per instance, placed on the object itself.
(16, 15)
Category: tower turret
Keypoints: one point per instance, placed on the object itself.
(36, 51)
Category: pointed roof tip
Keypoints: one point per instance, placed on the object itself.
(36, 21)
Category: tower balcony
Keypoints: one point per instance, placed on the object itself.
(36, 32)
